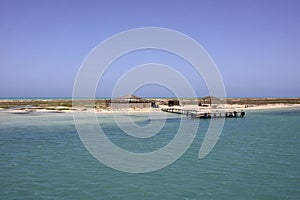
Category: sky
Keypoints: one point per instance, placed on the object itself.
(255, 44)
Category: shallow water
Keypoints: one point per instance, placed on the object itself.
(256, 157)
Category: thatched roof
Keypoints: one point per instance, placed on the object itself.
(129, 96)
(212, 99)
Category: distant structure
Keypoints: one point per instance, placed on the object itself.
(129, 102)
(210, 101)
(173, 102)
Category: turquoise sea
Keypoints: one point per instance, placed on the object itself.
(257, 157)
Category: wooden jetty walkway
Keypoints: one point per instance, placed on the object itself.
(205, 115)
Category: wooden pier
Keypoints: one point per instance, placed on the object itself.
(205, 115)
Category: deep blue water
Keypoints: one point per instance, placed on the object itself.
(42, 157)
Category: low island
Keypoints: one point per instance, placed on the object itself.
(136, 104)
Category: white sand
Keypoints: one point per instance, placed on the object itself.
(237, 107)
(264, 107)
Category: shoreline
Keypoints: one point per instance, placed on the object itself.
(134, 105)
(27, 109)
(264, 107)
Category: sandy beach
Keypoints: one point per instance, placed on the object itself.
(65, 106)
(262, 107)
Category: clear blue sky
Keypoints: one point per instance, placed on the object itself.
(255, 43)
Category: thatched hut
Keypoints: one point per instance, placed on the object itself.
(129, 101)
(210, 100)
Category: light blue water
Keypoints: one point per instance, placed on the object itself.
(42, 157)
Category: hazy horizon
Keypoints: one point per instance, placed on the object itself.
(150, 97)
